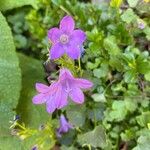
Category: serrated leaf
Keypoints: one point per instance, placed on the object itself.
(143, 119)
(95, 138)
(110, 44)
(10, 77)
(118, 112)
(102, 71)
(32, 72)
(129, 16)
(10, 4)
(143, 142)
(132, 3)
(131, 104)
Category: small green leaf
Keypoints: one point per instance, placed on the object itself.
(99, 97)
(102, 71)
(132, 3)
(95, 138)
(110, 44)
(129, 16)
(119, 111)
(130, 76)
(131, 104)
(143, 119)
(147, 76)
(143, 142)
(76, 115)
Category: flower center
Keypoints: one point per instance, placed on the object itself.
(64, 39)
(68, 89)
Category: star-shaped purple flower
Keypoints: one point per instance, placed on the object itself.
(55, 96)
(66, 39)
(64, 126)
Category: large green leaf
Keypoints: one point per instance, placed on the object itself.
(32, 72)
(10, 4)
(10, 77)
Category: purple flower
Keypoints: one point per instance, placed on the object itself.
(55, 96)
(66, 39)
(141, 25)
(64, 126)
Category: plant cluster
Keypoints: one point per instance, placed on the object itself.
(114, 57)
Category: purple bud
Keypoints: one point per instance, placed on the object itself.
(141, 25)
(34, 148)
(16, 117)
(64, 126)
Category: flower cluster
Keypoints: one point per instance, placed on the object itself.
(64, 40)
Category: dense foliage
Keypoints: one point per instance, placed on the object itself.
(116, 112)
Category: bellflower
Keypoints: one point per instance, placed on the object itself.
(56, 95)
(66, 40)
(64, 126)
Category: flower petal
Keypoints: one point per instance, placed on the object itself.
(54, 34)
(83, 83)
(73, 51)
(78, 36)
(67, 24)
(65, 73)
(56, 51)
(42, 88)
(39, 99)
(76, 95)
(50, 105)
(60, 97)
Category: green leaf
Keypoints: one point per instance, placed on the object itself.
(131, 104)
(95, 138)
(10, 77)
(110, 44)
(76, 115)
(118, 112)
(130, 76)
(99, 97)
(116, 3)
(129, 16)
(143, 119)
(147, 76)
(116, 63)
(143, 142)
(102, 71)
(8, 142)
(32, 72)
(147, 32)
(132, 3)
(10, 4)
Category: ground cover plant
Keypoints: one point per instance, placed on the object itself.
(74, 75)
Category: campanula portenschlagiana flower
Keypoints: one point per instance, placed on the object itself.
(66, 40)
(56, 95)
